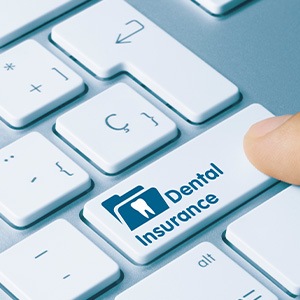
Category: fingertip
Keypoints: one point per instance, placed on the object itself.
(266, 126)
(273, 147)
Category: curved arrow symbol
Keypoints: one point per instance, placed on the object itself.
(124, 39)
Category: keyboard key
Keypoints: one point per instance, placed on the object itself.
(116, 128)
(275, 245)
(36, 177)
(34, 82)
(204, 271)
(219, 7)
(114, 37)
(57, 262)
(19, 17)
(179, 194)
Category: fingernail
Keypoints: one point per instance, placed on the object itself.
(263, 127)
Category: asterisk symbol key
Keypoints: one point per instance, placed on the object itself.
(9, 66)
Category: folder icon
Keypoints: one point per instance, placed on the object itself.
(136, 207)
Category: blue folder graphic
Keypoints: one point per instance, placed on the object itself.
(136, 207)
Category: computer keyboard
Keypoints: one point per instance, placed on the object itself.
(122, 170)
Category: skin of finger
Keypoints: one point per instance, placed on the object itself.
(277, 153)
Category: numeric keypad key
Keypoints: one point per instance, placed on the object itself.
(33, 82)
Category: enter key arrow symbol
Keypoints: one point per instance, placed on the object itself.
(124, 39)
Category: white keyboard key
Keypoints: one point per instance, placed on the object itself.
(274, 246)
(218, 7)
(34, 82)
(57, 262)
(116, 128)
(19, 17)
(36, 177)
(114, 37)
(176, 196)
(202, 273)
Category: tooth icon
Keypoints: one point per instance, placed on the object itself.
(143, 208)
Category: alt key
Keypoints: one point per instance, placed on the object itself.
(202, 273)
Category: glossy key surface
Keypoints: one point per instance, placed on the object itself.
(57, 262)
(202, 273)
(33, 83)
(116, 128)
(219, 7)
(114, 37)
(19, 17)
(274, 245)
(36, 177)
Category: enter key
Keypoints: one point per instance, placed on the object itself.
(114, 37)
